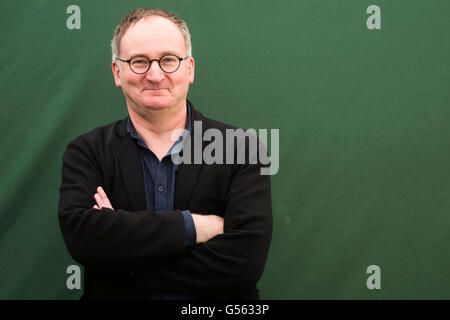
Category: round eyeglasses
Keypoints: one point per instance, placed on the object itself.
(141, 64)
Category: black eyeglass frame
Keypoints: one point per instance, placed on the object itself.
(150, 61)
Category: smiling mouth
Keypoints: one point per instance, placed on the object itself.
(156, 92)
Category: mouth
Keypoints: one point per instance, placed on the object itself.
(155, 91)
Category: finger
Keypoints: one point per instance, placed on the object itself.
(104, 197)
(99, 200)
(105, 201)
(96, 207)
(102, 193)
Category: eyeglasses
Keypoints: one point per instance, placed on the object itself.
(141, 64)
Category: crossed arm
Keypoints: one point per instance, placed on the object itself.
(230, 252)
(206, 226)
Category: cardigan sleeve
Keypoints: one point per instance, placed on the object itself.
(107, 239)
(232, 260)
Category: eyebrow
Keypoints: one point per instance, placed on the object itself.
(162, 54)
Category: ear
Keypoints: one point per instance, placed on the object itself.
(116, 72)
(191, 69)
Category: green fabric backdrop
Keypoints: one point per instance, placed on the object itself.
(363, 116)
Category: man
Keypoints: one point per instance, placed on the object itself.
(142, 225)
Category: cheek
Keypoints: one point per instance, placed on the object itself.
(184, 80)
(131, 81)
(182, 86)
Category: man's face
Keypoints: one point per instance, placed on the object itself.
(153, 37)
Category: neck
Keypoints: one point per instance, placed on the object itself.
(159, 123)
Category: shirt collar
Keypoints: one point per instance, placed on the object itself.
(176, 147)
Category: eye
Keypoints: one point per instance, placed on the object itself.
(169, 59)
(139, 61)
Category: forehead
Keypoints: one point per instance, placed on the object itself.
(152, 36)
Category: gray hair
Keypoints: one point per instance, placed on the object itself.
(131, 18)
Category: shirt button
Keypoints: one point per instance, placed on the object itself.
(160, 188)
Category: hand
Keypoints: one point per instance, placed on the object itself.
(102, 200)
(207, 226)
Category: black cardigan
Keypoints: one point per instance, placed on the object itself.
(130, 252)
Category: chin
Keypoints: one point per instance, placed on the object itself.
(157, 103)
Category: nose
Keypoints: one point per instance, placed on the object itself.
(154, 73)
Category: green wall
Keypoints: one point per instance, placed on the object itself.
(363, 115)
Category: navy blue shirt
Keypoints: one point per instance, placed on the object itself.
(159, 182)
(159, 178)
